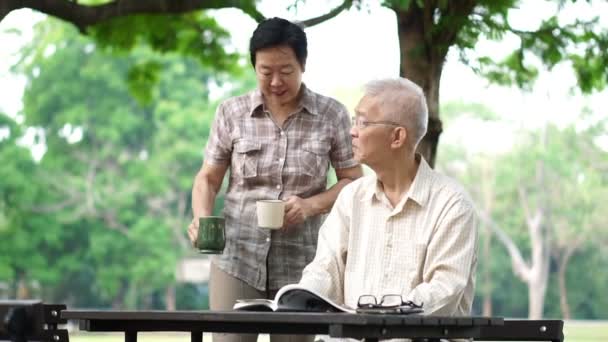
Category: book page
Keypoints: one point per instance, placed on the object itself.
(294, 297)
(254, 305)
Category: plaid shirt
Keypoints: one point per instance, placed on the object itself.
(272, 162)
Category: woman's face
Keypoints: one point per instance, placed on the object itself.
(279, 75)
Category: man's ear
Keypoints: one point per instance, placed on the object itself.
(399, 137)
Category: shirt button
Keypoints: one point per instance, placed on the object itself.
(281, 133)
(267, 239)
(279, 187)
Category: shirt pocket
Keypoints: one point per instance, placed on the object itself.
(246, 156)
(315, 157)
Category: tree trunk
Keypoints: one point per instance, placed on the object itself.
(536, 297)
(486, 191)
(170, 298)
(23, 291)
(118, 302)
(561, 279)
(538, 222)
(535, 275)
(539, 226)
(424, 68)
(486, 276)
(539, 278)
(539, 272)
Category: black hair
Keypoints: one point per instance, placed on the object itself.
(277, 31)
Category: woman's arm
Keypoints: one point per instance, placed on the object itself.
(298, 209)
(207, 184)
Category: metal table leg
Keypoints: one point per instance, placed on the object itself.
(196, 336)
(130, 336)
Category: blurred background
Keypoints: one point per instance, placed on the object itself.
(103, 124)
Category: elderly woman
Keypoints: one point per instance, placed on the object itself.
(278, 142)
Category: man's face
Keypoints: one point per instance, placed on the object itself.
(279, 75)
(371, 138)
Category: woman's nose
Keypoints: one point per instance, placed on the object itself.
(276, 80)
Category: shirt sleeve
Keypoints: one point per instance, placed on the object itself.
(325, 274)
(450, 262)
(219, 145)
(341, 153)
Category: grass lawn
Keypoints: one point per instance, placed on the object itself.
(586, 331)
(574, 331)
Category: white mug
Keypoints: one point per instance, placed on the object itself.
(270, 213)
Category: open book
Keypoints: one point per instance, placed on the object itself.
(294, 298)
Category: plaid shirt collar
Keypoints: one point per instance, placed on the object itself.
(307, 101)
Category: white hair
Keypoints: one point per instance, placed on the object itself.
(401, 101)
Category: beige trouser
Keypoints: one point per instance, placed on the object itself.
(224, 290)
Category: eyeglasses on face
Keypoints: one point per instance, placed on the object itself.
(387, 301)
(360, 123)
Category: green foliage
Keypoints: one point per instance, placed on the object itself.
(101, 219)
(559, 169)
(23, 237)
(582, 44)
(397, 4)
(585, 283)
(511, 70)
(192, 297)
(125, 113)
(195, 35)
(455, 110)
(142, 79)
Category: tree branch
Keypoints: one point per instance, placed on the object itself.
(520, 267)
(459, 10)
(523, 200)
(83, 16)
(539, 243)
(109, 218)
(427, 21)
(90, 185)
(161, 206)
(314, 21)
(51, 208)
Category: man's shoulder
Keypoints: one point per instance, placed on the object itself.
(359, 188)
(448, 189)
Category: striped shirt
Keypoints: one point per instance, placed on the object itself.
(424, 248)
(271, 162)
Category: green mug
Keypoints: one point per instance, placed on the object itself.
(211, 237)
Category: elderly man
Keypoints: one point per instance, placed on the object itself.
(406, 230)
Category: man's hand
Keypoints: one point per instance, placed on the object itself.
(193, 231)
(296, 210)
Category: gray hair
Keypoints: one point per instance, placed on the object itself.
(402, 101)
